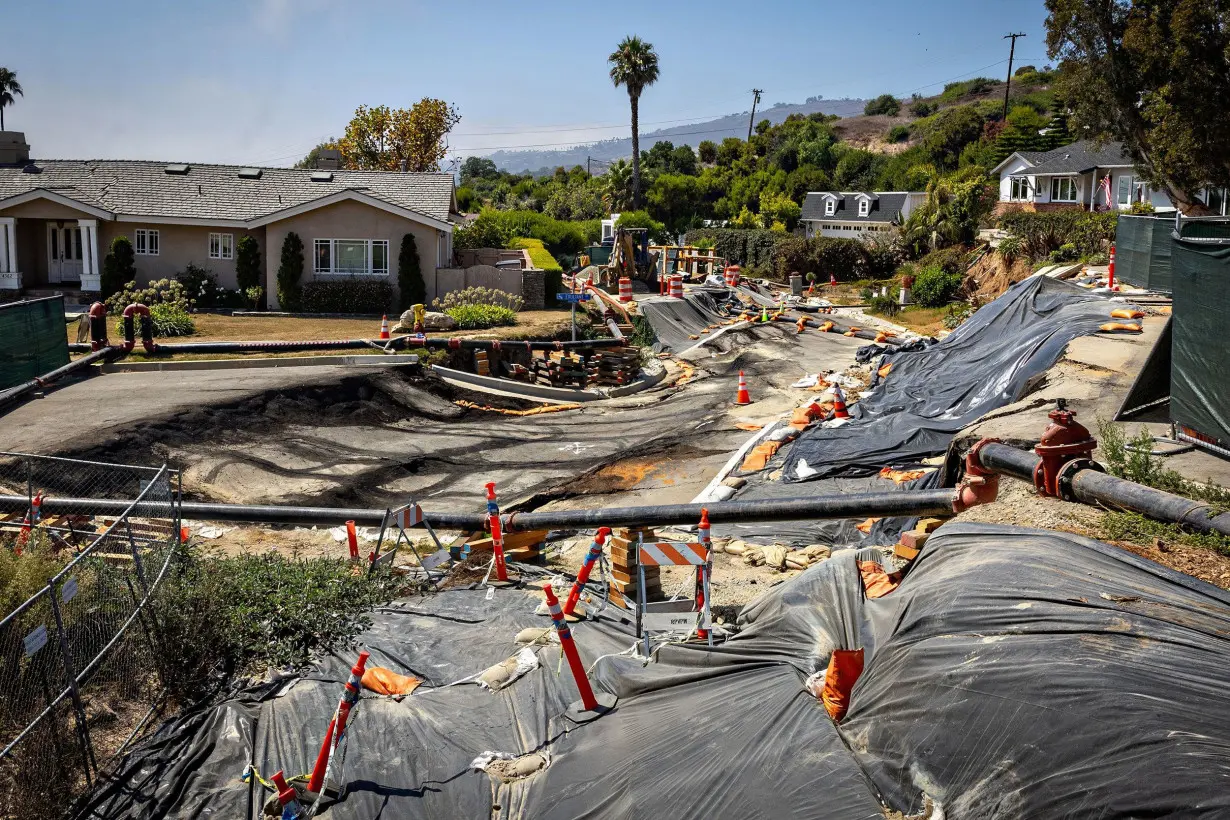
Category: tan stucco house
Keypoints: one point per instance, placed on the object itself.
(58, 217)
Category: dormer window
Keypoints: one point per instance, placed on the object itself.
(830, 206)
(863, 207)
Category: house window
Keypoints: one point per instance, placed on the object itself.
(830, 206)
(146, 242)
(352, 257)
(863, 206)
(1217, 200)
(1124, 197)
(1063, 189)
(1020, 189)
(222, 246)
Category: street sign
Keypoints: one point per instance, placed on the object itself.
(573, 297)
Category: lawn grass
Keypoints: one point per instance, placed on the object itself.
(926, 321)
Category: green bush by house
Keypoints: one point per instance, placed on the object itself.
(477, 317)
(362, 296)
(539, 255)
(935, 287)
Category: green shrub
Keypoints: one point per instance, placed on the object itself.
(539, 255)
(203, 289)
(935, 287)
(358, 296)
(412, 290)
(479, 296)
(494, 229)
(247, 263)
(243, 615)
(884, 306)
(1099, 258)
(119, 266)
(922, 108)
(168, 303)
(290, 273)
(476, 317)
(1041, 233)
(955, 91)
(642, 219)
(885, 104)
(1064, 253)
(899, 133)
(866, 294)
(956, 315)
(954, 259)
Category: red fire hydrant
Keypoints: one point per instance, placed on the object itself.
(1064, 442)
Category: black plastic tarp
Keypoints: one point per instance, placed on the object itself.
(930, 395)
(675, 321)
(1013, 674)
(1199, 389)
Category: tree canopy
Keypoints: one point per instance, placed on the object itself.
(411, 139)
(1155, 76)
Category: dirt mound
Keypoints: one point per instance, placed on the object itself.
(992, 275)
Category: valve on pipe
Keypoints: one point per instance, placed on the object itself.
(1066, 447)
(147, 328)
(98, 327)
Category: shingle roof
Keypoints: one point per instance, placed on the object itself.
(1077, 158)
(885, 207)
(142, 188)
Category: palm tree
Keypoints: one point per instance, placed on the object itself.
(617, 184)
(9, 86)
(634, 65)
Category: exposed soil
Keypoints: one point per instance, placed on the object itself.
(1019, 505)
(992, 275)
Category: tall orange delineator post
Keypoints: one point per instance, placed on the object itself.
(1110, 275)
(337, 726)
(587, 566)
(589, 706)
(702, 572)
(286, 796)
(352, 540)
(497, 534)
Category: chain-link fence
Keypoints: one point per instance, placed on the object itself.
(84, 546)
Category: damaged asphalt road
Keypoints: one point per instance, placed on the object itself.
(335, 435)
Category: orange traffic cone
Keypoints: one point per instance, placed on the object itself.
(742, 397)
(384, 327)
(839, 403)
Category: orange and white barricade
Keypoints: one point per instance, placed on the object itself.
(397, 520)
(688, 615)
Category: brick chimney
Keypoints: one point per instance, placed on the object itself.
(14, 150)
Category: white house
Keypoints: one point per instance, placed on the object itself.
(855, 214)
(1074, 176)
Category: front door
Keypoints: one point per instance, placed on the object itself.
(63, 252)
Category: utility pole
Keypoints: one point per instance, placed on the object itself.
(1011, 54)
(755, 99)
(588, 172)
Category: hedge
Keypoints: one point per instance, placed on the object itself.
(1041, 233)
(847, 259)
(539, 255)
(370, 296)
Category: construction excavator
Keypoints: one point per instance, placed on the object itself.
(631, 258)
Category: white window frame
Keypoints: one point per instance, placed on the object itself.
(830, 207)
(222, 246)
(1057, 185)
(1125, 186)
(1018, 189)
(146, 241)
(864, 207)
(367, 272)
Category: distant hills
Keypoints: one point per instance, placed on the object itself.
(731, 125)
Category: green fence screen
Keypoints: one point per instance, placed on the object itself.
(1142, 251)
(34, 339)
(1199, 388)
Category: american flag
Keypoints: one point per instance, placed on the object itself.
(1104, 187)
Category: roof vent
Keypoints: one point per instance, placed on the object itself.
(179, 169)
(250, 173)
(322, 176)
(32, 169)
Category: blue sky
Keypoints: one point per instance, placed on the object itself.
(261, 82)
